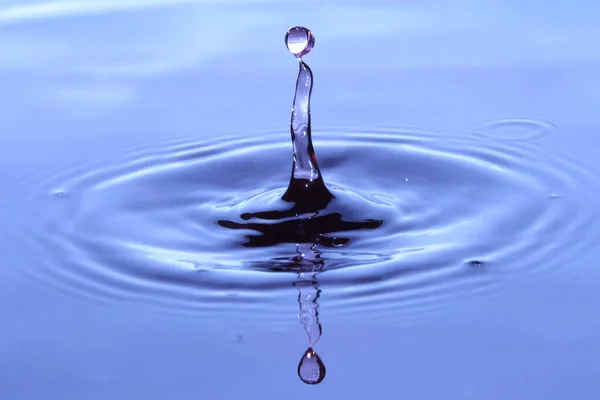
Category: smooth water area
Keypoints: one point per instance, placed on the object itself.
(147, 252)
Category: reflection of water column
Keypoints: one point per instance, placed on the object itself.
(308, 294)
(311, 369)
(308, 259)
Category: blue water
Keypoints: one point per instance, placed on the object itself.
(128, 129)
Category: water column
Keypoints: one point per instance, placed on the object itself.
(306, 185)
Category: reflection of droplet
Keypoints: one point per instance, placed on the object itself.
(299, 40)
(311, 369)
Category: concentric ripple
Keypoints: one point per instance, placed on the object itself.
(517, 130)
(460, 216)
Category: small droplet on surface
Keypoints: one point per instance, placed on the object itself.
(554, 196)
(476, 263)
(299, 40)
(339, 242)
(311, 369)
(59, 193)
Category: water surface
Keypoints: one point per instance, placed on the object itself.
(128, 130)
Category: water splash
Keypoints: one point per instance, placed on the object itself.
(306, 187)
(313, 215)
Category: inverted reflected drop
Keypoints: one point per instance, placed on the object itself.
(311, 369)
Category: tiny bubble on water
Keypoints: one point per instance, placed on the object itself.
(339, 242)
(476, 263)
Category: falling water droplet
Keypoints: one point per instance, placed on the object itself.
(311, 369)
(299, 40)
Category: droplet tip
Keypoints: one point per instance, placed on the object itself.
(299, 41)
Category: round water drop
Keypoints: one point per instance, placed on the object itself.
(311, 369)
(299, 40)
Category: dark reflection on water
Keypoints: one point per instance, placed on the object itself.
(403, 225)
(300, 230)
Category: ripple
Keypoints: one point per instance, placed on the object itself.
(517, 130)
(461, 217)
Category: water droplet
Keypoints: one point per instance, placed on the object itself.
(476, 263)
(59, 193)
(299, 40)
(311, 369)
(554, 196)
(339, 242)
